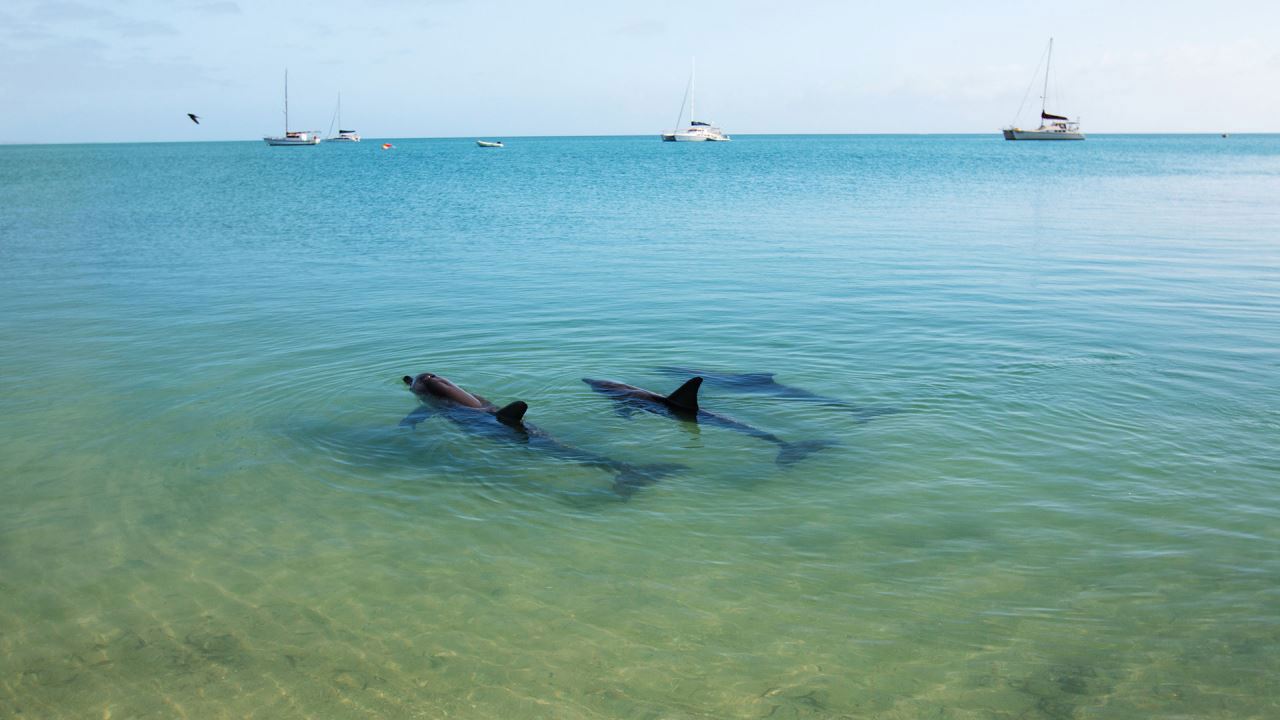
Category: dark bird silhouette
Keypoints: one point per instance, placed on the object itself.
(194, 118)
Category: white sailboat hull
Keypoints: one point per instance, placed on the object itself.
(697, 133)
(290, 140)
(1018, 134)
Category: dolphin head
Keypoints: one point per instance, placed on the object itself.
(428, 384)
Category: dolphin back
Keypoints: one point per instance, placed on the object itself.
(513, 414)
(765, 384)
(685, 397)
(723, 379)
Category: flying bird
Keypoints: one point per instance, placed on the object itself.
(194, 118)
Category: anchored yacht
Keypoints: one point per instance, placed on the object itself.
(343, 135)
(696, 131)
(1052, 127)
(292, 137)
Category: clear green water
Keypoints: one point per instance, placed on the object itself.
(1060, 500)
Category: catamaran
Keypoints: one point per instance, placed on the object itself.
(697, 131)
(343, 135)
(292, 137)
(1052, 127)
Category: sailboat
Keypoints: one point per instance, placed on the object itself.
(343, 135)
(1052, 127)
(305, 137)
(697, 131)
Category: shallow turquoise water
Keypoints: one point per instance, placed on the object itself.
(1055, 496)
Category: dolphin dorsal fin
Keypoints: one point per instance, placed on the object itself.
(513, 413)
(686, 396)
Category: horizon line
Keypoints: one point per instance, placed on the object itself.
(642, 135)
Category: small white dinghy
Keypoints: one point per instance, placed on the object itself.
(489, 143)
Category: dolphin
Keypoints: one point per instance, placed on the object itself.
(477, 415)
(764, 384)
(683, 405)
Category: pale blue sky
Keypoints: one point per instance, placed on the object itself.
(79, 70)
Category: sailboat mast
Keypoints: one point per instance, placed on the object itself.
(286, 102)
(693, 91)
(683, 101)
(1044, 97)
